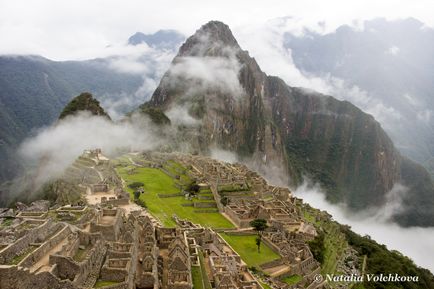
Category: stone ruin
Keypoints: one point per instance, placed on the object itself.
(77, 247)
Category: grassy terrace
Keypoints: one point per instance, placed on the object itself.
(157, 182)
(196, 275)
(100, 284)
(265, 285)
(293, 279)
(334, 241)
(245, 246)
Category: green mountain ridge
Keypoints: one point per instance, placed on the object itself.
(34, 90)
(83, 102)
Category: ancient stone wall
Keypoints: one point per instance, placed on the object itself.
(205, 205)
(33, 236)
(111, 273)
(115, 202)
(43, 280)
(36, 255)
(109, 231)
(242, 223)
(66, 268)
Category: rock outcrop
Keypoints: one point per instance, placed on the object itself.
(239, 108)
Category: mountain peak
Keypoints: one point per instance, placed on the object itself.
(165, 39)
(212, 39)
(83, 102)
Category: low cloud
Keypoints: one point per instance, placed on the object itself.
(208, 73)
(266, 44)
(393, 50)
(179, 116)
(55, 148)
(141, 60)
(413, 242)
(224, 155)
(425, 116)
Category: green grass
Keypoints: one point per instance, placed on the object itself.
(335, 244)
(101, 283)
(334, 240)
(293, 279)
(265, 285)
(206, 283)
(7, 222)
(310, 218)
(245, 246)
(196, 274)
(177, 169)
(156, 182)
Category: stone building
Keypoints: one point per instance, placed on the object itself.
(179, 267)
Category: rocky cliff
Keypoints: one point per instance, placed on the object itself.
(235, 106)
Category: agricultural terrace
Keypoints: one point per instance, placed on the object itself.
(245, 246)
(163, 196)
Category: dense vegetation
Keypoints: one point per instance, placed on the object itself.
(317, 247)
(34, 90)
(417, 179)
(83, 102)
(155, 114)
(381, 260)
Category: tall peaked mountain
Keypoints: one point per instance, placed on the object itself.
(237, 107)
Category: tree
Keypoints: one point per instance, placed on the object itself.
(317, 247)
(224, 201)
(136, 194)
(193, 188)
(135, 185)
(259, 225)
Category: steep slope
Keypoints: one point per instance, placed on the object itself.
(34, 90)
(239, 108)
(83, 102)
(390, 60)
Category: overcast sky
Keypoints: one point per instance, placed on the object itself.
(82, 29)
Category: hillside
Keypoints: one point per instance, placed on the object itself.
(83, 102)
(390, 60)
(34, 90)
(147, 206)
(239, 108)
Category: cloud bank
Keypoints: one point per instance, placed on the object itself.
(266, 43)
(56, 147)
(147, 62)
(416, 243)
